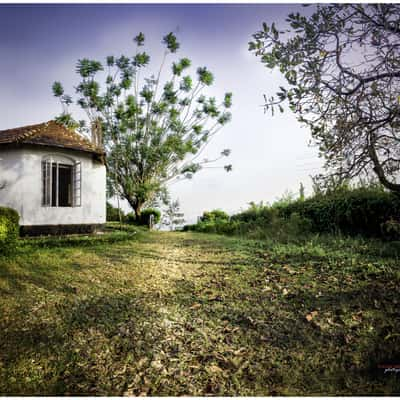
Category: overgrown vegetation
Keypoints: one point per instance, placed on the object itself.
(134, 312)
(360, 211)
(115, 215)
(9, 230)
(369, 212)
(147, 213)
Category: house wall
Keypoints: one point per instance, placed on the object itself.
(22, 169)
(11, 173)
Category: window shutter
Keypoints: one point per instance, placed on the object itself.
(77, 184)
(46, 183)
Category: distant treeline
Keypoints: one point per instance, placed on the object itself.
(366, 211)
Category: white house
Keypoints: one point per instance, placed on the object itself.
(54, 178)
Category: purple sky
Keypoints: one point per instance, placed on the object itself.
(41, 43)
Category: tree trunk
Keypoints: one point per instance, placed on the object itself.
(136, 205)
(394, 187)
(137, 208)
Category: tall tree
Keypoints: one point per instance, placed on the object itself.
(154, 130)
(342, 68)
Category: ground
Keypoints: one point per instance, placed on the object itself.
(160, 313)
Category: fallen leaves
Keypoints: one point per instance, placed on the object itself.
(181, 327)
(214, 369)
(157, 364)
(311, 315)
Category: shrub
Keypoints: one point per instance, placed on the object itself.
(391, 229)
(367, 211)
(145, 216)
(262, 214)
(9, 230)
(209, 216)
(130, 218)
(227, 227)
(113, 213)
(359, 211)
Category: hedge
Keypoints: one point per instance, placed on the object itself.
(363, 211)
(9, 230)
(370, 212)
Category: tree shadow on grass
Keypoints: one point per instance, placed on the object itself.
(327, 355)
(92, 240)
(153, 255)
(91, 347)
(23, 272)
(366, 324)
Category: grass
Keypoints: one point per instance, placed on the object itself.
(159, 313)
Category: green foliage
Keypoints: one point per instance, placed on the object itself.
(144, 218)
(153, 129)
(286, 199)
(67, 121)
(139, 39)
(171, 42)
(130, 218)
(361, 211)
(205, 76)
(9, 230)
(209, 216)
(58, 89)
(391, 229)
(369, 212)
(113, 214)
(216, 221)
(256, 212)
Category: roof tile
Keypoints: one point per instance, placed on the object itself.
(50, 134)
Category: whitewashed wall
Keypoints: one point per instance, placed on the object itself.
(11, 173)
(22, 171)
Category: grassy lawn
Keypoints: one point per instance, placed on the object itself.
(157, 313)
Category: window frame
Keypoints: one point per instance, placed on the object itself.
(47, 163)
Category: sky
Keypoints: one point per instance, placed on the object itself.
(41, 43)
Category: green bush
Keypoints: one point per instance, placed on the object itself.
(261, 214)
(368, 211)
(130, 218)
(113, 213)
(9, 230)
(391, 229)
(145, 216)
(210, 216)
(361, 211)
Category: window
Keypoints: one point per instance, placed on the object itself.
(61, 182)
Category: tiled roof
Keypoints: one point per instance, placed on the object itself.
(49, 134)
